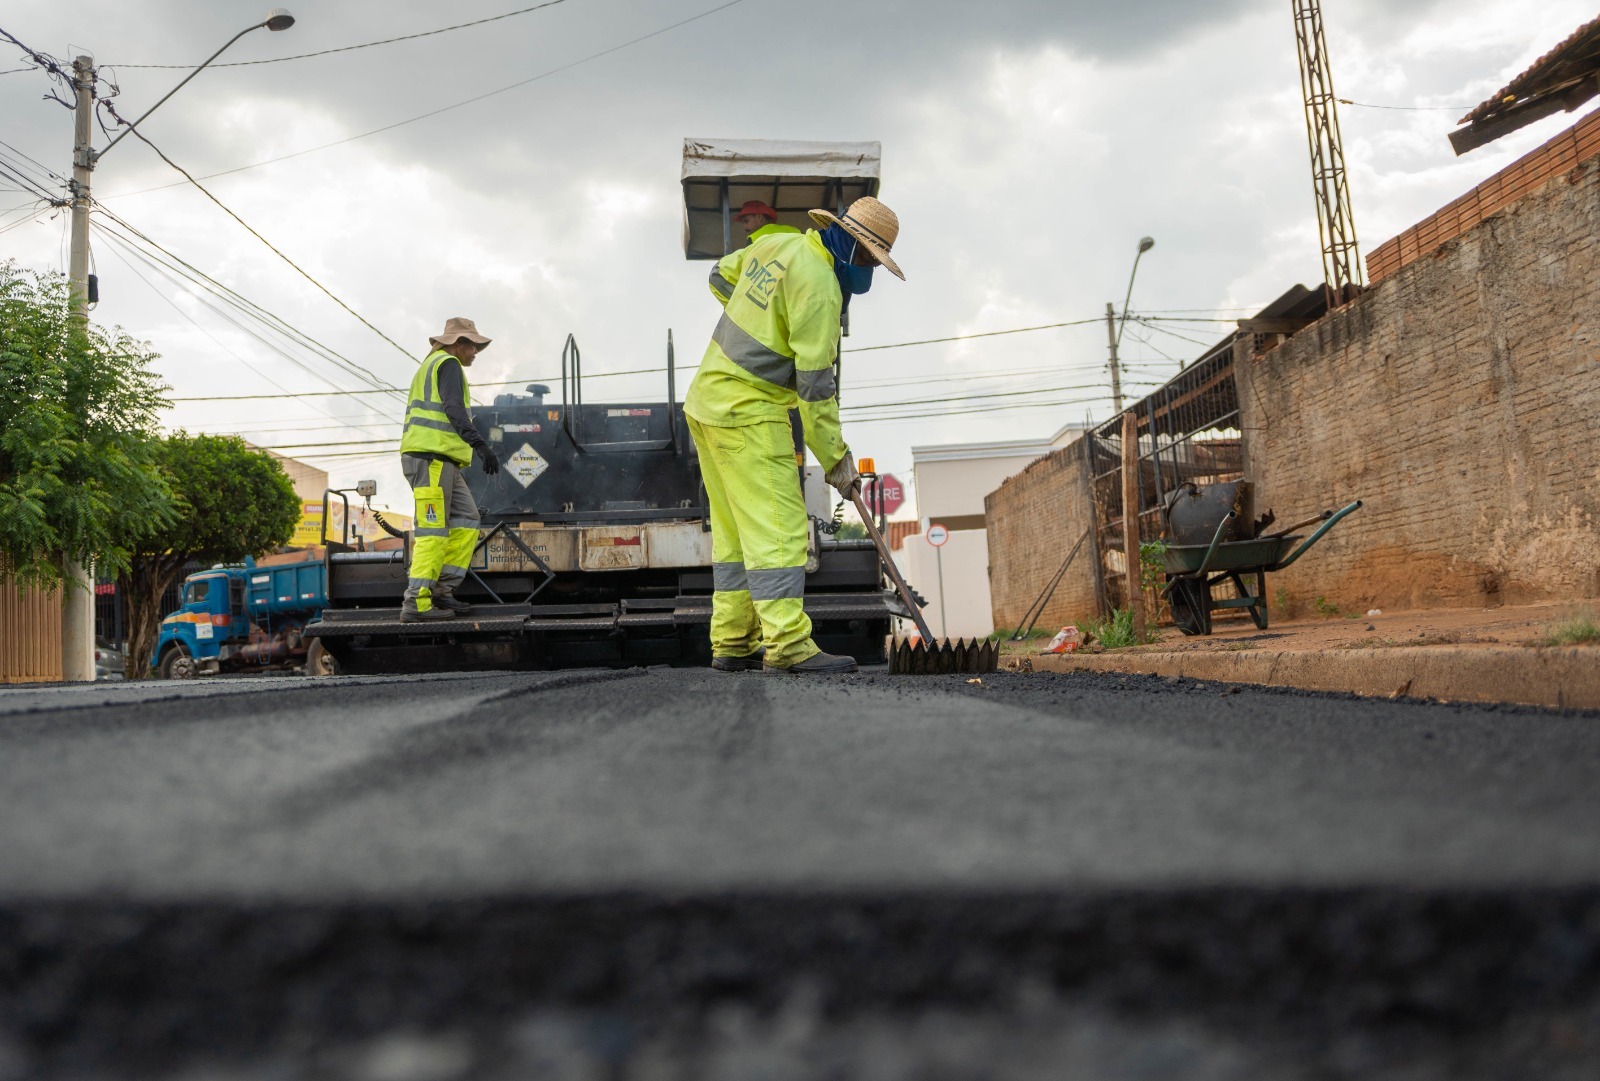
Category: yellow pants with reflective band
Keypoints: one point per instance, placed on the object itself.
(445, 531)
(758, 541)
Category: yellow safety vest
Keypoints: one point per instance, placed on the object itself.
(428, 429)
(775, 346)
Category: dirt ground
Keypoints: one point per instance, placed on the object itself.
(1521, 625)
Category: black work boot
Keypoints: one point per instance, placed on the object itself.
(410, 614)
(448, 602)
(823, 664)
(751, 662)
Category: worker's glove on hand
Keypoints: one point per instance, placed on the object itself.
(843, 477)
(491, 464)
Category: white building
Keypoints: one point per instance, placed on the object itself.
(951, 482)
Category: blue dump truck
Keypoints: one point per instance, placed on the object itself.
(245, 618)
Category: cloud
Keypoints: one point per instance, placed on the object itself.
(1027, 145)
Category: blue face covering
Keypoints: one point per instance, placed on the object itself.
(842, 246)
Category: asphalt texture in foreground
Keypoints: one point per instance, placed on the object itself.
(672, 873)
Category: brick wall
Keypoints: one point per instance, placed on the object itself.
(1577, 144)
(1034, 518)
(1459, 396)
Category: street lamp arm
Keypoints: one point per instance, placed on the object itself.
(1123, 320)
(101, 153)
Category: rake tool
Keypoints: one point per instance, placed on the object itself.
(926, 657)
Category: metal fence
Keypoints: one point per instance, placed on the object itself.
(1188, 432)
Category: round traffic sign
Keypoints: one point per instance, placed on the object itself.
(937, 535)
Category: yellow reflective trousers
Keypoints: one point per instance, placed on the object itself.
(445, 532)
(758, 541)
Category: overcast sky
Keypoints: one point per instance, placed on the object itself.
(1027, 145)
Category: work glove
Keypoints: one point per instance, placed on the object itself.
(843, 477)
(490, 463)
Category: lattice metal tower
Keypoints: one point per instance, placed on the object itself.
(1341, 257)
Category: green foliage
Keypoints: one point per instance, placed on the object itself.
(851, 531)
(78, 408)
(1152, 564)
(1283, 602)
(1574, 630)
(1325, 607)
(233, 502)
(1116, 631)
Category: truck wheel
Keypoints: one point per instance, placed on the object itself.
(319, 662)
(177, 664)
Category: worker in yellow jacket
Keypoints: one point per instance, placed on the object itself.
(437, 444)
(774, 350)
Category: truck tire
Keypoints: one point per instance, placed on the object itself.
(177, 664)
(319, 662)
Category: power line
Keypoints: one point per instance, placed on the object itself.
(117, 243)
(352, 48)
(448, 108)
(966, 337)
(187, 278)
(273, 248)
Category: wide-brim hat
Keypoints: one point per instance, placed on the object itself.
(872, 224)
(456, 329)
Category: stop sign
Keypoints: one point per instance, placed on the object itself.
(888, 489)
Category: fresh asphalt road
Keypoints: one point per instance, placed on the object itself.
(1238, 849)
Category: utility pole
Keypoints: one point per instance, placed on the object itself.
(1341, 254)
(1116, 368)
(77, 587)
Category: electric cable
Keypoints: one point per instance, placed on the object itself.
(253, 310)
(364, 45)
(251, 230)
(447, 108)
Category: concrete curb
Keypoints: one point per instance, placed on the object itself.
(1559, 678)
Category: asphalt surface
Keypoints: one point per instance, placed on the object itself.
(664, 873)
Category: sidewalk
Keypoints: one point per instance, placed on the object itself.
(1460, 654)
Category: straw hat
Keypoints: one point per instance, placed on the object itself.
(871, 223)
(457, 328)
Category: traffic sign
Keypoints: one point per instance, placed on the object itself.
(937, 535)
(889, 489)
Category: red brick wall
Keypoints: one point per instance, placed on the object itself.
(1034, 519)
(1577, 144)
(1460, 397)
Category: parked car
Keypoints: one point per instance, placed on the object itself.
(109, 661)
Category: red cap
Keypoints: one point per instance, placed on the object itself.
(756, 206)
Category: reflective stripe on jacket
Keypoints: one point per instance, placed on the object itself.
(775, 346)
(428, 429)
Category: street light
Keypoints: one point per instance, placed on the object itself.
(77, 600)
(1114, 326)
(277, 19)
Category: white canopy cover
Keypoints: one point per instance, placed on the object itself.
(792, 177)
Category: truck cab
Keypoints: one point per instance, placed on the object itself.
(192, 637)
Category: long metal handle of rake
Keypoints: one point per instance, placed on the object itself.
(894, 572)
(1043, 598)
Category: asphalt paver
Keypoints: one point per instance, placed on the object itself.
(679, 873)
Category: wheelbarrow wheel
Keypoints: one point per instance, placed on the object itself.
(1190, 602)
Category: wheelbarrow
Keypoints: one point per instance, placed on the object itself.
(1192, 569)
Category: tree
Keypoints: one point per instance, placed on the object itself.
(78, 435)
(233, 502)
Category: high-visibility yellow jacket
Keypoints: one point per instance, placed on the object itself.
(428, 429)
(775, 346)
(768, 230)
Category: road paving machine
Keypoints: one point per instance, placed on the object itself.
(595, 542)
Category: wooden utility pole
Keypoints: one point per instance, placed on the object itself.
(1130, 518)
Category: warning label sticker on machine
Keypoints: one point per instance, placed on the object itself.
(527, 465)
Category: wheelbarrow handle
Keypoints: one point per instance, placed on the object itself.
(1315, 537)
(888, 565)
